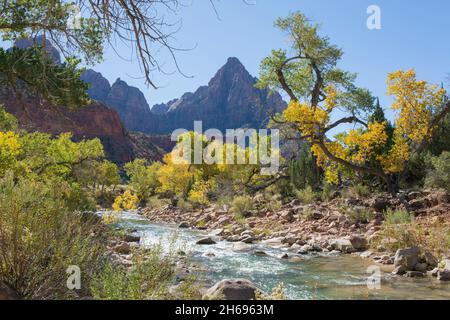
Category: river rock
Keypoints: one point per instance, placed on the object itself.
(274, 241)
(343, 245)
(305, 249)
(122, 248)
(284, 256)
(287, 215)
(206, 241)
(445, 264)
(131, 238)
(443, 275)
(430, 259)
(247, 239)
(260, 253)
(414, 274)
(380, 204)
(407, 258)
(421, 267)
(241, 247)
(184, 225)
(232, 289)
(7, 293)
(358, 242)
(400, 270)
(216, 232)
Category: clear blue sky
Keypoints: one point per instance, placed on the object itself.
(414, 34)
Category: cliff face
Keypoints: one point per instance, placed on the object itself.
(230, 100)
(93, 121)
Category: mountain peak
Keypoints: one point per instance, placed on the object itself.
(232, 70)
(234, 61)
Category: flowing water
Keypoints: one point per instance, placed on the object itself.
(304, 277)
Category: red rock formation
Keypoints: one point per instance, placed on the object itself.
(93, 121)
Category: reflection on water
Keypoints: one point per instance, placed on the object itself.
(320, 277)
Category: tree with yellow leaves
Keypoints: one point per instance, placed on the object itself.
(320, 92)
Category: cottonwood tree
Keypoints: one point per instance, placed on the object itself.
(323, 98)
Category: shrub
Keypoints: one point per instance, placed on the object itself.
(241, 205)
(306, 195)
(149, 278)
(156, 203)
(358, 214)
(308, 213)
(126, 201)
(400, 231)
(439, 176)
(396, 217)
(273, 204)
(40, 238)
(184, 205)
(277, 293)
(360, 190)
(327, 192)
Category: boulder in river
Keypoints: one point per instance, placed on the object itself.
(206, 241)
(358, 242)
(407, 258)
(443, 275)
(184, 225)
(232, 289)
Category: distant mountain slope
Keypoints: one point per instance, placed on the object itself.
(230, 100)
(93, 121)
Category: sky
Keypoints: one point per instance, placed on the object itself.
(413, 34)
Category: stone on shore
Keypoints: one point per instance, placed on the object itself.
(206, 241)
(407, 258)
(232, 289)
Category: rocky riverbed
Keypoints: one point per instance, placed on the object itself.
(324, 228)
(226, 265)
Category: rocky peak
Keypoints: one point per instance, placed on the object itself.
(131, 105)
(99, 86)
(39, 41)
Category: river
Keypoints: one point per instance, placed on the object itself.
(304, 277)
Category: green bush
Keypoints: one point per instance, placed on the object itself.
(156, 203)
(184, 205)
(439, 176)
(149, 278)
(327, 192)
(40, 238)
(274, 204)
(396, 217)
(358, 214)
(306, 195)
(241, 205)
(360, 190)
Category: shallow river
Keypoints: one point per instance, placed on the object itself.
(308, 277)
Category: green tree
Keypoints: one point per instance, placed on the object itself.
(143, 178)
(317, 87)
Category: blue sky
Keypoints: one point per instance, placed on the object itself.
(414, 34)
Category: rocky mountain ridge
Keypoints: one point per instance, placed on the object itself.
(230, 100)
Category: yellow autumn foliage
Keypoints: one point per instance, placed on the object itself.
(126, 201)
(416, 102)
